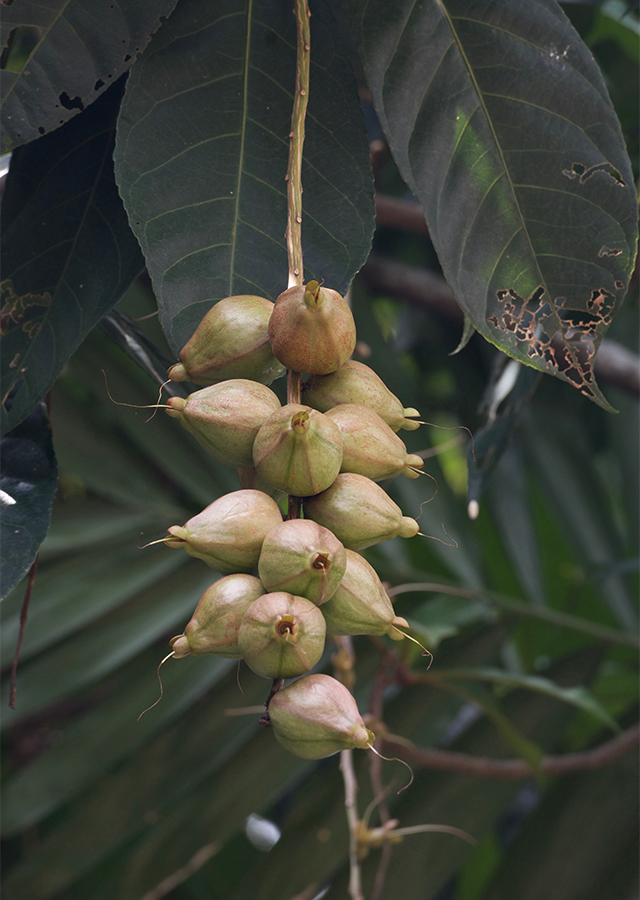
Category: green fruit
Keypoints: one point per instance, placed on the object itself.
(281, 635)
(357, 383)
(303, 558)
(226, 417)
(298, 450)
(228, 534)
(231, 341)
(359, 513)
(360, 605)
(312, 329)
(316, 716)
(214, 625)
(370, 447)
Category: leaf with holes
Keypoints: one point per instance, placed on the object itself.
(500, 122)
(29, 477)
(68, 254)
(59, 56)
(202, 150)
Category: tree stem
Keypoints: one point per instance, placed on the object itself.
(294, 173)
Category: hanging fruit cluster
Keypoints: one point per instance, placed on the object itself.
(327, 454)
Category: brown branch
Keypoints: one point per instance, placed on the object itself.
(515, 769)
(294, 183)
(406, 216)
(24, 612)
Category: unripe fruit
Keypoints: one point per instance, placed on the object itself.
(361, 605)
(298, 450)
(214, 625)
(281, 635)
(312, 329)
(356, 383)
(303, 558)
(359, 513)
(370, 447)
(226, 417)
(231, 341)
(316, 716)
(228, 534)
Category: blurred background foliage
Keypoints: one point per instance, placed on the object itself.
(531, 613)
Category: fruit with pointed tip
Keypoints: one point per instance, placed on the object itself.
(316, 716)
(311, 329)
(228, 534)
(214, 625)
(231, 341)
(370, 447)
(298, 450)
(356, 383)
(281, 635)
(303, 558)
(225, 418)
(359, 513)
(361, 605)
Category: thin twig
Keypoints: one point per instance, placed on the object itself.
(350, 791)
(294, 182)
(24, 612)
(516, 769)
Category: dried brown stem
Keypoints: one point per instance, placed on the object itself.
(382, 680)
(24, 612)
(516, 769)
(294, 172)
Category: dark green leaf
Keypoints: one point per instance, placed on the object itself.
(28, 481)
(202, 155)
(68, 253)
(74, 49)
(500, 123)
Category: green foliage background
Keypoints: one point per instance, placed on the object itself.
(541, 655)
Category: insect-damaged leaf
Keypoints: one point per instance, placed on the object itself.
(202, 150)
(60, 55)
(68, 254)
(500, 123)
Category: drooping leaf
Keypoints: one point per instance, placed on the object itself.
(202, 153)
(500, 123)
(28, 481)
(75, 50)
(68, 253)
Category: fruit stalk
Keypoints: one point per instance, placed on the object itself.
(296, 138)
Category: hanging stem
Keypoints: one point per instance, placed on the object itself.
(294, 173)
(294, 185)
(350, 791)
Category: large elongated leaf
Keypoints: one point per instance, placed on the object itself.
(500, 123)
(77, 48)
(29, 477)
(68, 253)
(202, 155)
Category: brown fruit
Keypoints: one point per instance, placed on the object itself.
(311, 329)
